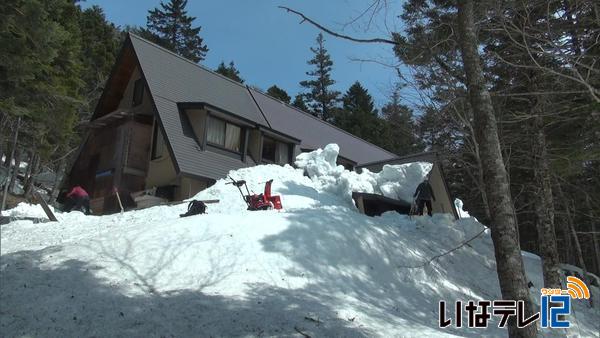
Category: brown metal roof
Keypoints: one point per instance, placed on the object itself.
(176, 79)
(316, 133)
(172, 79)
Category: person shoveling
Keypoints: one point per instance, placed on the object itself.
(77, 199)
(423, 196)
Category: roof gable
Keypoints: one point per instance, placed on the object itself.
(177, 79)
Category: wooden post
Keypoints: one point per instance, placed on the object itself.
(45, 207)
(119, 199)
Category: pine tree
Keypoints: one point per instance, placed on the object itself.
(229, 71)
(299, 103)
(320, 99)
(358, 115)
(100, 42)
(172, 28)
(279, 94)
(40, 72)
(400, 128)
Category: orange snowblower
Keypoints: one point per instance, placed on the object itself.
(262, 201)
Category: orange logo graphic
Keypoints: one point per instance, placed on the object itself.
(576, 288)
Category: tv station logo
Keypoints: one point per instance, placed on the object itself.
(555, 306)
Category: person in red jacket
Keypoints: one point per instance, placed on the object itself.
(77, 199)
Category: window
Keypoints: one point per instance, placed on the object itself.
(275, 151)
(283, 153)
(158, 142)
(216, 131)
(224, 134)
(138, 92)
(269, 149)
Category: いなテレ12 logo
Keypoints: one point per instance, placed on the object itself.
(555, 303)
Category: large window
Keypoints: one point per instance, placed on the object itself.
(275, 151)
(223, 134)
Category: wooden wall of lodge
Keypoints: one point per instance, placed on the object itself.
(114, 156)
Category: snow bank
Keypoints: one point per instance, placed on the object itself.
(318, 268)
(394, 181)
(25, 209)
(331, 182)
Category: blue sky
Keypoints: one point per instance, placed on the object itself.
(269, 46)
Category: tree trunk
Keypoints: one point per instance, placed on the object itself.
(566, 234)
(57, 180)
(15, 172)
(27, 177)
(593, 221)
(596, 246)
(30, 183)
(509, 262)
(571, 227)
(9, 160)
(544, 203)
(578, 250)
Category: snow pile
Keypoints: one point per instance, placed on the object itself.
(462, 213)
(327, 183)
(24, 209)
(394, 181)
(318, 268)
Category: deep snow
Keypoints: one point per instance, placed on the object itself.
(318, 267)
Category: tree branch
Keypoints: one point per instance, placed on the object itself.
(330, 32)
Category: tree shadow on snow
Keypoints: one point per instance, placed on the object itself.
(349, 256)
(70, 300)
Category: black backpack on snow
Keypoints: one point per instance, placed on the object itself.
(195, 208)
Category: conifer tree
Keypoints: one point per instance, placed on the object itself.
(279, 94)
(358, 115)
(229, 71)
(400, 127)
(321, 100)
(171, 27)
(299, 103)
(40, 77)
(100, 42)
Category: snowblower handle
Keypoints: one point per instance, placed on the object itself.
(237, 183)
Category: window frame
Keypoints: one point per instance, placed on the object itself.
(262, 150)
(225, 124)
(278, 143)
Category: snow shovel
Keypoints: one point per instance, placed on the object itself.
(413, 209)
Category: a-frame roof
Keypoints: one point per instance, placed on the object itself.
(172, 80)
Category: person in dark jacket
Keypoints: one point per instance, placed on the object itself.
(76, 199)
(424, 195)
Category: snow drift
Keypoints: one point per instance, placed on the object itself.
(318, 267)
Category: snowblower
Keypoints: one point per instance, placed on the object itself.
(254, 202)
